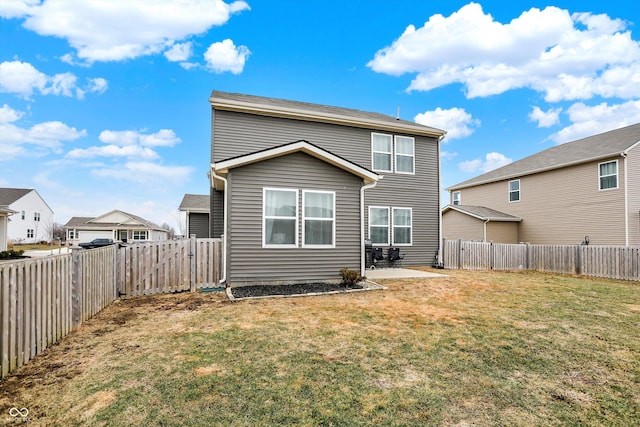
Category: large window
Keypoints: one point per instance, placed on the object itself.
(514, 191)
(401, 226)
(139, 235)
(318, 218)
(280, 218)
(608, 173)
(379, 225)
(381, 149)
(404, 154)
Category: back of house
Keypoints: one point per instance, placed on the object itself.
(297, 188)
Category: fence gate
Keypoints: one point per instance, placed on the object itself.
(168, 266)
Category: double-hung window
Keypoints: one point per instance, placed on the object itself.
(379, 225)
(280, 218)
(36, 216)
(608, 173)
(139, 235)
(381, 152)
(318, 218)
(401, 226)
(405, 156)
(456, 198)
(514, 190)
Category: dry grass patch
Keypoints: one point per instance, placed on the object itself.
(474, 348)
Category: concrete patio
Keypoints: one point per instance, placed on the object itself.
(399, 273)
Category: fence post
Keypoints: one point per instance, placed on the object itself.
(460, 249)
(77, 296)
(578, 259)
(443, 251)
(193, 262)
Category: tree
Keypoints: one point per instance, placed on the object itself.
(170, 229)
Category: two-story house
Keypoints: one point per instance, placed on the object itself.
(32, 221)
(297, 188)
(582, 191)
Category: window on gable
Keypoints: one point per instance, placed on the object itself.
(36, 216)
(280, 218)
(379, 225)
(456, 198)
(401, 226)
(514, 191)
(318, 218)
(381, 152)
(608, 173)
(405, 159)
(22, 215)
(29, 233)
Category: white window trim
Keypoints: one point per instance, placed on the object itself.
(413, 155)
(390, 153)
(333, 220)
(410, 227)
(264, 219)
(453, 198)
(388, 224)
(603, 176)
(519, 191)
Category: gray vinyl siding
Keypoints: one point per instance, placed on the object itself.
(249, 262)
(199, 224)
(633, 180)
(235, 134)
(217, 213)
(560, 206)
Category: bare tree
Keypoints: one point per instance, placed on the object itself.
(170, 229)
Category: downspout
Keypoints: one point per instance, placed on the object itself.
(626, 200)
(362, 235)
(485, 230)
(223, 277)
(440, 260)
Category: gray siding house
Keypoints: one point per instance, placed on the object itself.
(585, 190)
(196, 209)
(296, 188)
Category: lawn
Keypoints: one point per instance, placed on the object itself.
(474, 348)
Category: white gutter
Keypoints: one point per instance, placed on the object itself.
(362, 234)
(439, 255)
(223, 277)
(626, 200)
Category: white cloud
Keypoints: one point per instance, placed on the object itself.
(592, 120)
(491, 161)
(448, 155)
(179, 52)
(456, 121)
(45, 137)
(23, 79)
(17, 8)
(124, 29)
(130, 151)
(551, 51)
(162, 138)
(545, 119)
(225, 56)
(147, 173)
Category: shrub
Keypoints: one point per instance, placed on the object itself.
(350, 277)
(11, 253)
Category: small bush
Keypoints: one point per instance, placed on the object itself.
(350, 277)
(11, 253)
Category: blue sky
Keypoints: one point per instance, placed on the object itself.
(104, 104)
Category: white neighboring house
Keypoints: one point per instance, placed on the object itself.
(4, 221)
(117, 225)
(33, 218)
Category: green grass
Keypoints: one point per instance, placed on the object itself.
(471, 349)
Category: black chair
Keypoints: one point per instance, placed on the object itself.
(378, 255)
(394, 255)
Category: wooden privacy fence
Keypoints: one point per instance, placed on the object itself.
(615, 262)
(43, 299)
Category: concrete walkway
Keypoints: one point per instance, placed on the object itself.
(37, 253)
(399, 273)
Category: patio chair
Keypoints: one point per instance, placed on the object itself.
(394, 256)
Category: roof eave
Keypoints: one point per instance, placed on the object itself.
(316, 116)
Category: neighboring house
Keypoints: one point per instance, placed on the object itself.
(479, 223)
(116, 225)
(297, 188)
(4, 221)
(33, 220)
(196, 209)
(582, 191)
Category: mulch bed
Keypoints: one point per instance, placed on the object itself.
(285, 290)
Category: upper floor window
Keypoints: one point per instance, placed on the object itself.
(456, 198)
(36, 216)
(22, 215)
(608, 173)
(280, 217)
(405, 159)
(514, 191)
(318, 218)
(381, 152)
